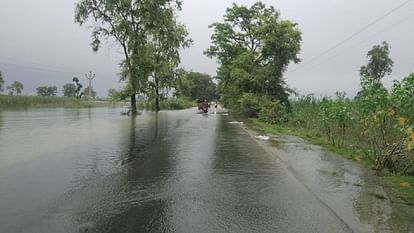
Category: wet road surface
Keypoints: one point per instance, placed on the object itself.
(91, 170)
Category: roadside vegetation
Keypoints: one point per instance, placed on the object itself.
(376, 128)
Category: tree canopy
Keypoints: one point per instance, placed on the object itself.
(46, 91)
(254, 47)
(69, 90)
(195, 85)
(138, 27)
(15, 88)
(1, 81)
(379, 62)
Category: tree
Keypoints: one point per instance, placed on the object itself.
(69, 90)
(1, 81)
(195, 85)
(254, 47)
(112, 93)
(170, 37)
(93, 93)
(46, 91)
(379, 62)
(15, 88)
(78, 93)
(133, 24)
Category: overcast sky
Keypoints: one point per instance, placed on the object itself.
(40, 45)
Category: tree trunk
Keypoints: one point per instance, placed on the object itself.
(157, 96)
(133, 105)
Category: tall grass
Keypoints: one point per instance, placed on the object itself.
(9, 101)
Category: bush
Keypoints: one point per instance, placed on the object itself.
(248, 105)
(176, 103)
(273, 112)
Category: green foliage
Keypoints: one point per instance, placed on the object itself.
(254, 47)
(195, 85)
(336, 116)
(273, 112)
(79, 86)
(46, 91)
(117, 95)
(69, 90)
(176, 103)
(377, 126)
(146, 31)
(1, 81)
(248, 105)
(15, 88)
(379, 62)
(8, 101)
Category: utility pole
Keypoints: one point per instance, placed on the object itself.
(90, 77)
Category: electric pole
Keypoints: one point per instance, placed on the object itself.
(90, 77)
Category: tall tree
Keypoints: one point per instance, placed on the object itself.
(379, 62)
(254, 47)
(1, 81)
(15, 88)
(69, 90)
(79, 86)
(131, 23)
(170, 37)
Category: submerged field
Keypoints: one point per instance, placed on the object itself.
(10, 102)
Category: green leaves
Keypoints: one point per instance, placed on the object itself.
(379, 62)
(46, 91)
(148, 33)
(254, 47)
(1, 81)
(15, 88)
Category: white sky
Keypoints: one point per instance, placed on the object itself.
(41, 45)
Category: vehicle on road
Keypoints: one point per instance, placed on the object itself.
(203, 105)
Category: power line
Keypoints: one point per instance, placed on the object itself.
(352, 36)
(363, 41)
(39, 68)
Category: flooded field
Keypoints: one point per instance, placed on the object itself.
(93, 170)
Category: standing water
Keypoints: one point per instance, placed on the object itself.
(93, 170)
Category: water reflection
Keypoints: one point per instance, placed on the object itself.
(175, 171)
(135, 198)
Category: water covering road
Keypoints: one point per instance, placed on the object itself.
(92, 170)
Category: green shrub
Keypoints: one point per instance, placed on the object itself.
(248, 105)
(273, 112)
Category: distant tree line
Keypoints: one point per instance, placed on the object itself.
(15, 88)
(186, 84)
(71, 90)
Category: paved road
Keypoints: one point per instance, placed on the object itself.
(175, 171)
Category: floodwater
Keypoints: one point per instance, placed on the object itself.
(92, 170)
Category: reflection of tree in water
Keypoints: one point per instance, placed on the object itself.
(1, 119)
(134, 200)
(141, 137)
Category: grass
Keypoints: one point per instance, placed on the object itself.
(402, 187)
(313, 137)
(7, 101)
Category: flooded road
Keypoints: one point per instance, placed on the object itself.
(92, 170)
